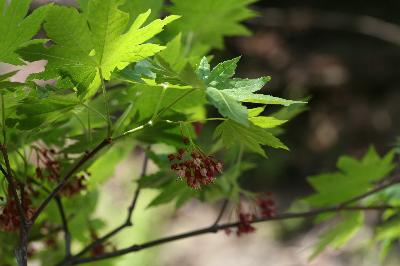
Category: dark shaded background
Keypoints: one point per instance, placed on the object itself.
(346, 56)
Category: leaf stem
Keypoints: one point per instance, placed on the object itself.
(94, 111)
(194, 121)
(164, 90)
(175, 101)
(221, 212)
(64, 221)
(106, 103)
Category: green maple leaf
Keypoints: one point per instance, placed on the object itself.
(134, 8)
(32, 112)
(227, 93)
(207, 22)
(16, 30)
(251, 137)
(96, 42)
(340, 234)
(353, 178)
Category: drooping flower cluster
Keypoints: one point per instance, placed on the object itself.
(10, 219)
(244, 226)
(197, 168)
(265, 208)
(49, 168)
(74, 186)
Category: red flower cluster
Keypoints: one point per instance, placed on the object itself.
(197, 169)
(10, 220)
(51, 171)
(266, 209)
(100, 248)
(51, 165)
(266, 206)
(74, 186)
(244, 226)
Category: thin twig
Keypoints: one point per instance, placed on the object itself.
(11, 182)
(3, 171)
(64, 221)
(126, 223)
(221, 212)
(21, 254)
(214, 229)
(394, 180)
(174, 102)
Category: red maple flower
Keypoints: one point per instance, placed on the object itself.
(10, 219)
(267, 206)
(244, 226)
(198, 169)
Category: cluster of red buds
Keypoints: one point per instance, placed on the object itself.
(10, 219)
(244, 226)
(266, 206)
(265, 209)
(100, 248)
(51, 170)
(195, 167)
(74, 186)
(48, 167)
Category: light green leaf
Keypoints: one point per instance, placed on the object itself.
(251, 137)
(249, 97)
(222, 72)
(256, 111)
(207, 22)
(204, 69)
(353, 178)
(98, 40)
(227, 106)
(16, 30)
(32, 112)
(169, 193)
(226, 93)
(104, 167)
(136, 7)
(340, 234)
(266, 121)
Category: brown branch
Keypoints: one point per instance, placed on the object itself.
(3, 171)
(64, 222)
(126, 223)
(393, 181)
(11, 182)
(21, 250)
(68, 175)
(215, 229)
